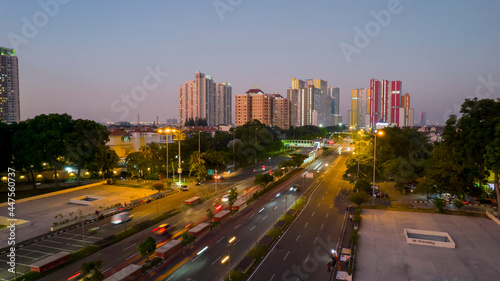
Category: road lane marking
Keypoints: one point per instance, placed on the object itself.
(272, 277)
(318, 205)
(216, 260)
(306, 224)
(107, 269)
(297, 237)
(331, 206)
(237, 226)
(327, 215)
(220, 239)
(264, 217)
(285, 257)
(236, 242)
(128, 247)
(306, 259)
(312, 214)
(323, 198)
(252, 228)
(251, 215)
(170, 278)
(315, 239)
(131, 256)
(322, 226)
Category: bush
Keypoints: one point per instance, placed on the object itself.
(258, 252)
(363, 185)
(440, 204)
(357, 212)
(152, 177)
(359, 198)
(30, 276)
(458, 203)
(274, 232)
(354, 237)
(236, 276)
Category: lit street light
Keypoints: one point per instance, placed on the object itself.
(380, 133)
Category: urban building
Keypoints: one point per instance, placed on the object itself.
(223, 103)
(388, 105)
(281, 112)
(359, 115)
(292, 95)
(202, 98)
(9, 87)
(423, 118)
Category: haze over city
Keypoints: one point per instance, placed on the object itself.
(81, 57)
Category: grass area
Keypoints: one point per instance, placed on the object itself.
(426, 210)
(2, 226)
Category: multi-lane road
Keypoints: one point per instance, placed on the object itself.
(252, 223)
(305, 249)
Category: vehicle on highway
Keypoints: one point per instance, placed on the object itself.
(295, 187)
(218, 177)
(278, 194)
(225, 198)
(120, 218)
(184, 188)
(197, 183)
(163, 229)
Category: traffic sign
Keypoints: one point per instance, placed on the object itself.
(210, 172)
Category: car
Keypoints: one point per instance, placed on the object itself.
(278, 194)
(163, 229)
(225, 198)
(295, 187)
(197, 183)
(184, 188)
(120, 218)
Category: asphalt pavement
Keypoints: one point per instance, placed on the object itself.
(304, 251)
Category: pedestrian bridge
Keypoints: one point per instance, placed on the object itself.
(304, 143)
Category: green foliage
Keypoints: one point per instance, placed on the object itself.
(274, 232)
(258, 252)
(354, 237)
(440, 204)
(263, 179)
(298, 159)
(278, 173)
(30, 276)
(359, 198)
(210, 214)
(236, 276)
(92, 271)
(159, 186)
(458, 203)
(147, 247)
(187, 239)
(363, 185)
(233, 196)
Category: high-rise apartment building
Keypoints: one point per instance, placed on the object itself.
(388, 105)
(203, 98)
(312, 102)
(423, 118)
(269, 109)
(358, 115)
(281, 111)
(223, 100)
(9, 87)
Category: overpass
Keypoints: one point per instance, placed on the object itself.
(319, 143)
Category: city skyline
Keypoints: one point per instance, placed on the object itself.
(86, 66)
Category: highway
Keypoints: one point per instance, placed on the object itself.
(248, 226)
(304, 250)
(127, 248)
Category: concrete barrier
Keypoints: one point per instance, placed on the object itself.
(493, 218)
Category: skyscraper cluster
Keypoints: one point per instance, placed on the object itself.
(202, 98)
(383, 102)
(9, 87)
(312, 102)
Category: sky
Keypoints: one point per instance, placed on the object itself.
(112, 60)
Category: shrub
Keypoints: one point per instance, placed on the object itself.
(30, 276)
(458, 203)
(440, 204)
(274, 232)
(258, 252)
(359, 198)
(354, 237)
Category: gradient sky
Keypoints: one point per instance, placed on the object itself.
(90, 54)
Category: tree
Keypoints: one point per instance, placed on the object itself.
(105, 160)
(440, 204)
(458, 203)
(298, 159)
(210, 214)
(83, 140)
(359, 198)
(197, 166)
(263, 179)
(492, 159)
(147, 247)
(233, 196)
(278, 173)
(92, 271)
(159, 186)
(27, 150)
(363, 185)
(136, 163)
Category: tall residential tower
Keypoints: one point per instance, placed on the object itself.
(9, 87)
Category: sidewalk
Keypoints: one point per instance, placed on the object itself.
(344, 255)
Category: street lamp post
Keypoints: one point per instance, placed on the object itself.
(229, 259)
(166, 131)
(374, 160)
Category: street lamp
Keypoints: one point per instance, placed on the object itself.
(166, 131)
(180, 136)
(380, 133)
(228, 258)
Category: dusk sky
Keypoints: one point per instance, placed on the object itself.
(84, 57)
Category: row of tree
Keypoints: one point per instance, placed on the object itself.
(460, 164)
(57, 140)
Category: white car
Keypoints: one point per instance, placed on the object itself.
(120, 218)
(225, 198)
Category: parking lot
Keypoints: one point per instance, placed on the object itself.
(68, 241)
